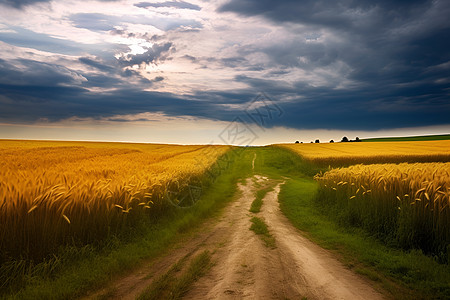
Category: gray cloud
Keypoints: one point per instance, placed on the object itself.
(104, 22)
(381, 45)
(59, 103)
(371, 108)
(337, 110)
(23, 72)
(95, 21)
(111, 73)
(173, 4)
(26, 38)
(341, 14)
(157, 53)
(21, 3)
(53, 92)
(95, 64)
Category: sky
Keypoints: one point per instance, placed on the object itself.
(224, 72)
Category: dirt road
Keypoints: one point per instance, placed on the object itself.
(244, 268)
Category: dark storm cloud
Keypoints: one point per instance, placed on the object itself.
(101, 81)
(409, 31)
(55, 103)
(174, 4)
(34, 73)
(392, 50)
(54, 94)
(422, 104)
(32, 91)
(347, 112)
(337, 14)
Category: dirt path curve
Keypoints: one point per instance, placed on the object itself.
(244, 268)
(310, 269)
(296, 268)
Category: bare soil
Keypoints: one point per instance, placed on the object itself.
(244, 268)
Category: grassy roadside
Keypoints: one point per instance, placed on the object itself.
(78, 270)
(171, 286)
(404, 274)
(276, 162)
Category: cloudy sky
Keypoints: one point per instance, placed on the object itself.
(239, 71)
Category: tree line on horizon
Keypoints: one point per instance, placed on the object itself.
(343, 140)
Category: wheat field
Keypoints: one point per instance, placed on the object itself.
(405, 203)
(397, 191)
(344, 154)
(57, 193)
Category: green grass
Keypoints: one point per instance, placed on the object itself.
(259, 196)
(260, 228)
(256, 205)
(164, 285)
(278, 163)
(410, 138)
(76, 271)
(171, 286)
(198, 267)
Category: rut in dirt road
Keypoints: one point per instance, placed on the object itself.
(296, 268)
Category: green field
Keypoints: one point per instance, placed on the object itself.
(410, 138)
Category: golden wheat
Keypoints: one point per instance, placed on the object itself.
(338, 154)
(405, 202)
(52, 193)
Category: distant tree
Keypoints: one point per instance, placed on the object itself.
(344, 139)
(331, 141)
(317, 141)
(297, 142)
(357, 139)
